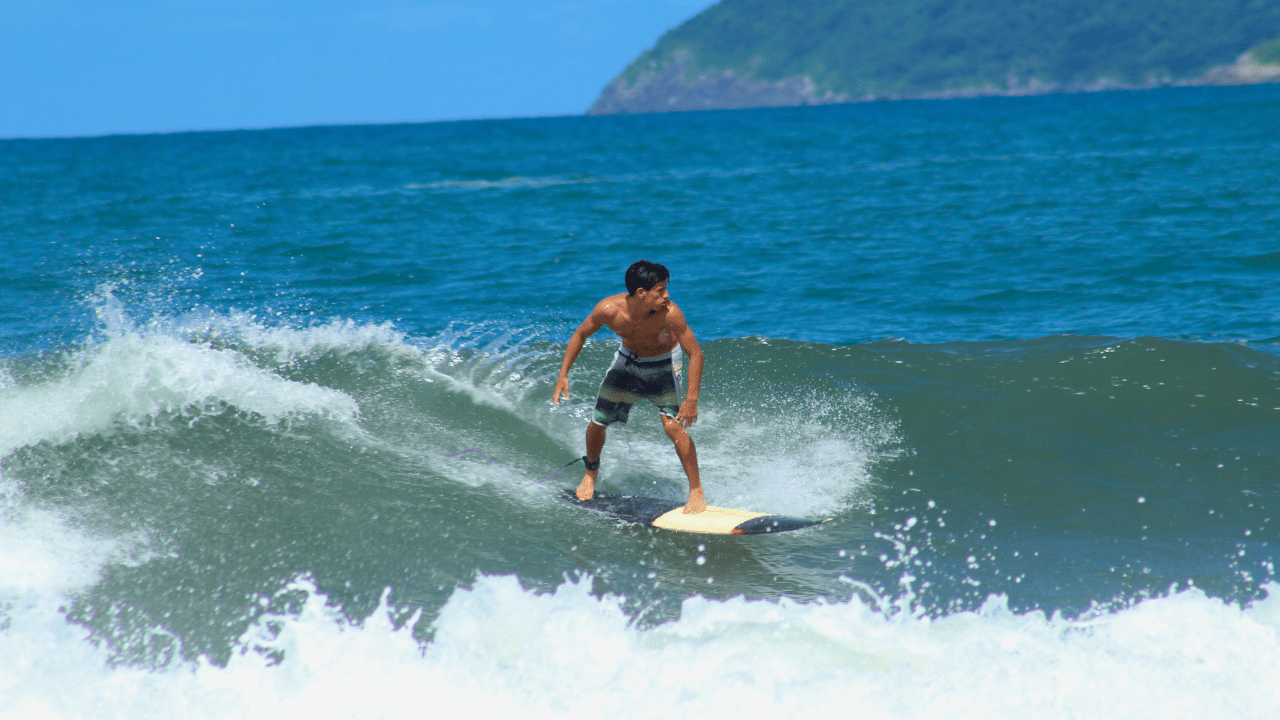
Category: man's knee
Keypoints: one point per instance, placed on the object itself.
(674, 429)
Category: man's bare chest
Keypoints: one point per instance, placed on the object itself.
(655, 331)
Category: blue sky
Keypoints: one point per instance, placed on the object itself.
(93, 67)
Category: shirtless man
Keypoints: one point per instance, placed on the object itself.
(651, 326)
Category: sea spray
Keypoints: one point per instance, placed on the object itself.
(498, 646)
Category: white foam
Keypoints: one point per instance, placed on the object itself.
(40, 556)
(287, 343)
(501, 648)
(1185, 655)
(132, 376)
(794, 464)
(511, 183)
(791, 460)
(43, 561)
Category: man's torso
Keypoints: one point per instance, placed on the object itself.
(648, 335)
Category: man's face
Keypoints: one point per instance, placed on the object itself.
(655, 298)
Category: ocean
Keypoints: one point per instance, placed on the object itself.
(1022, 351)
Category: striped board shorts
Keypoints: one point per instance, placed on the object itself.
(631, 378)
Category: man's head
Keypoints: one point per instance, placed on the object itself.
(644, 275)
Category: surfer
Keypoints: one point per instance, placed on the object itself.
(646, 366)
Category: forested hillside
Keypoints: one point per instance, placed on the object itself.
(841, 50)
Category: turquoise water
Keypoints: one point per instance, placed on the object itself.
(1022, 350)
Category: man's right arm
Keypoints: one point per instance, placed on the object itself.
(594, 322)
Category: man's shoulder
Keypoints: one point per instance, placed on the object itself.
(612, 304)
(675, 315)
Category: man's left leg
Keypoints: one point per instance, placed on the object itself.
(595, 443)
(689, 459)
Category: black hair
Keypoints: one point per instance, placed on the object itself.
(645, 274)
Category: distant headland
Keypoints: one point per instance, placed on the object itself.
(773, 53)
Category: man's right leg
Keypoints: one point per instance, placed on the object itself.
(688, 454)
(595, 443)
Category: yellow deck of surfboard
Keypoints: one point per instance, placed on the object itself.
(712, 520)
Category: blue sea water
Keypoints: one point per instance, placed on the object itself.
(1023, 351)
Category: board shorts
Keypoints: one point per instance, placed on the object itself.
(631, 378)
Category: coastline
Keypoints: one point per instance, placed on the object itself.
(668, 90)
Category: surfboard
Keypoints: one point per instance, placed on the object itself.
(669, 515)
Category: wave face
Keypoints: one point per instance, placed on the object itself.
(234, 477)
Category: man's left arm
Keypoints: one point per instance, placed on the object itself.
(688, 414)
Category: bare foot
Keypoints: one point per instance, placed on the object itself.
(587, 488)
(697, 503)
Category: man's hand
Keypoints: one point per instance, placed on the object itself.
(688, 414)
(562, 389)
